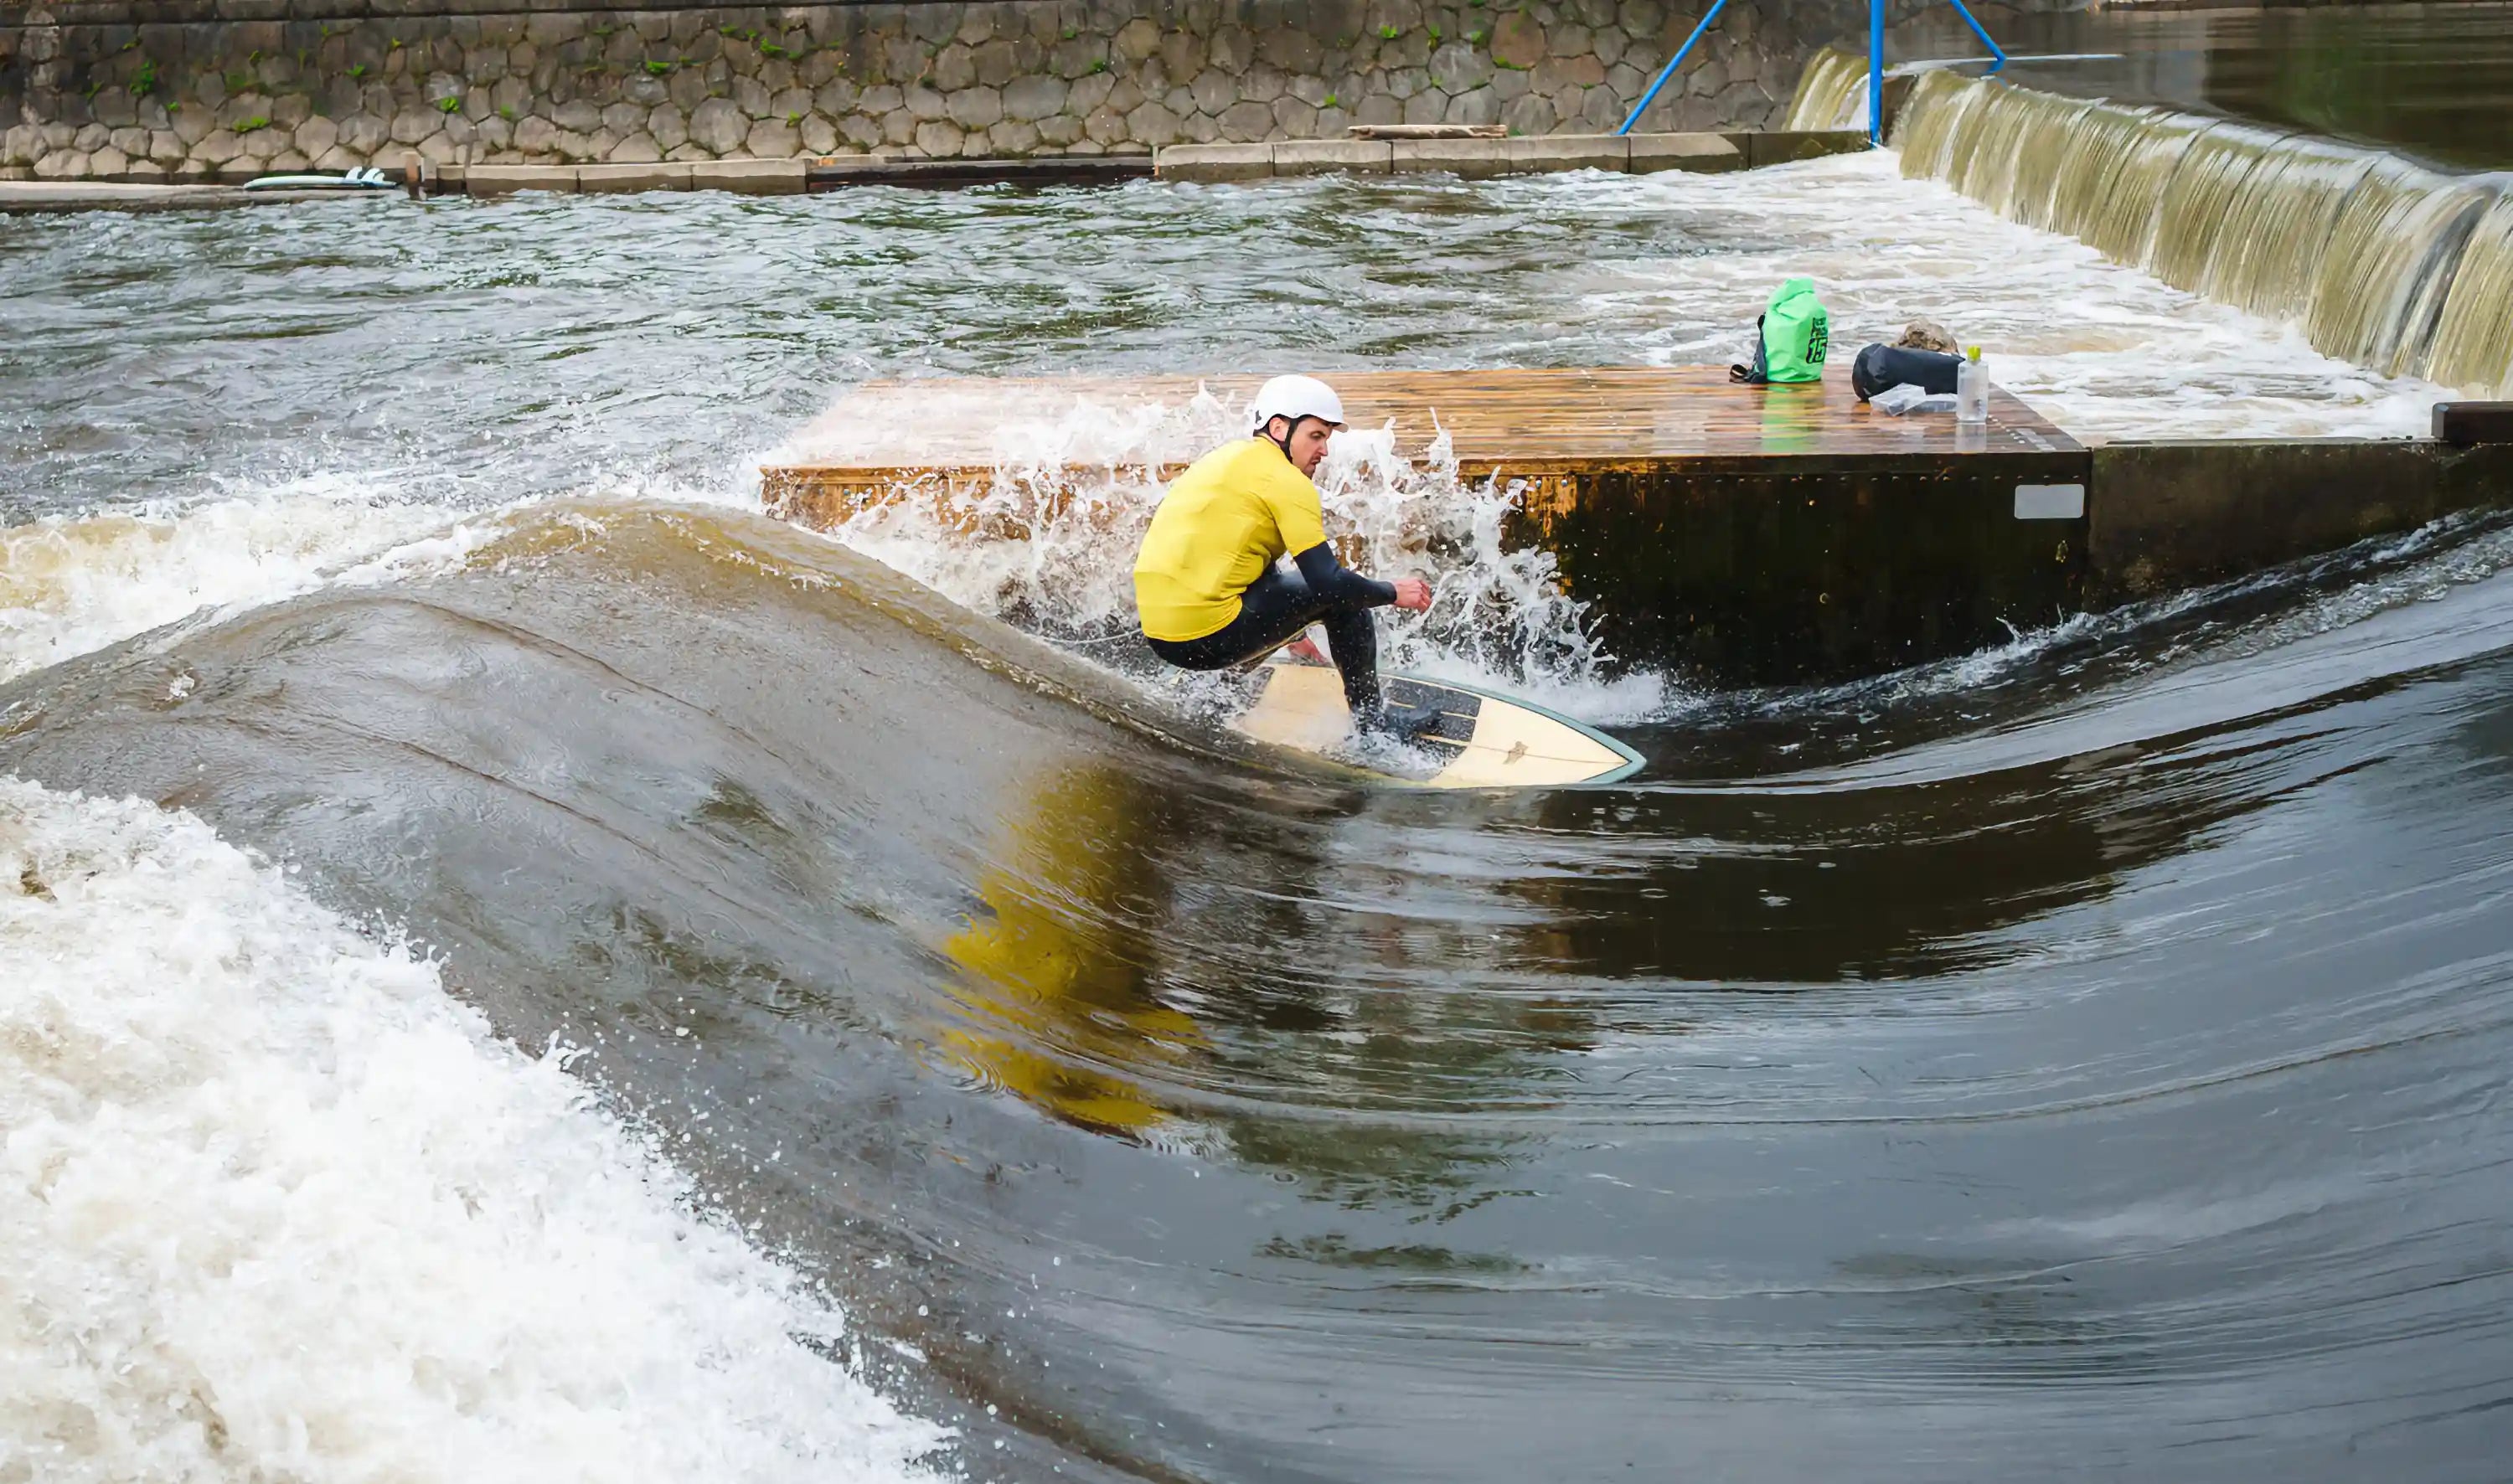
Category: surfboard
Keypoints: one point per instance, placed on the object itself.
(364, 179)
(1481, 741)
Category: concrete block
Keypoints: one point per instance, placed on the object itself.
(1473, 159)
(1213, 162)
(1702, 152)
(750, 177)
(2167, 516)
(1779, 146)
(504, 179)
(1314, 157)
(1567, 151)
(659, 176)
(2462, 423)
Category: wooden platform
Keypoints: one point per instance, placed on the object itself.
(1750, 533)
(941, 439)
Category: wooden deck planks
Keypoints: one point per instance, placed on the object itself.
(886, 437)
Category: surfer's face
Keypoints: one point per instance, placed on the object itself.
(1308, 444)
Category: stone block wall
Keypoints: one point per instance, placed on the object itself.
(231, 89)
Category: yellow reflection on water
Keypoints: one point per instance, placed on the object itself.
(1054, 964)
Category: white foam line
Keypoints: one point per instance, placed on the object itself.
(70, 585)
(73, 584)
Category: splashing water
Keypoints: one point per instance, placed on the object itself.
(278, 1207)
(1832, 91)
(69, 584)
(1046, 541)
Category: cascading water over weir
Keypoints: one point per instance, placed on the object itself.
(2375, 259)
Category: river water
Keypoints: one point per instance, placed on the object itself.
(590, 983)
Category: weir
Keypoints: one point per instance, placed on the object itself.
(2375, 259)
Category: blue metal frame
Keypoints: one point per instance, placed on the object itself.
(1875, 74)
(1995, 49)
(1674, 62)
(1875, 62)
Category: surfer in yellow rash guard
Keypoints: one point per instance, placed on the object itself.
(1206, 586)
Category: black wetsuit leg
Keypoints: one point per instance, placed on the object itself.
(1272, 612)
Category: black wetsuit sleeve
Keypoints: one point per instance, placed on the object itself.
(1332, 579)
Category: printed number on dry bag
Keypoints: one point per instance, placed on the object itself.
(1791, 338)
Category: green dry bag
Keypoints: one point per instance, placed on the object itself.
(1790, 338)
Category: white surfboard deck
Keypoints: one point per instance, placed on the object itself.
(1482, 741)
(318, 183)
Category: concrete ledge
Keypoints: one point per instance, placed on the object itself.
(2168, 515)
(1779, 146)
(824, 173)
(1469, 159)
(506, 180)
(1567, 151)
(1213, 162)
(1472, 158)
(1483, 158)
(1316, 157)
(750, 177)
(27, 197)
(2463, 423)
(1698, 153)
(661, 176)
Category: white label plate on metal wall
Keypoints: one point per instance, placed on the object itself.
(2050, 502)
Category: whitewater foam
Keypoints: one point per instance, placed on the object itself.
(70, 585)
(278, 1207)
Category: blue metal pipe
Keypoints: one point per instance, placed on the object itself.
(1994, 49)
(1875, 72)
(1672, 63)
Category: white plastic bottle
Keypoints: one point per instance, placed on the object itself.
(1972, 389)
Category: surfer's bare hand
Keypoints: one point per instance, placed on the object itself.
(1412, 593)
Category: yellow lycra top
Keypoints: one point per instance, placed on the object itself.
(1230, 515)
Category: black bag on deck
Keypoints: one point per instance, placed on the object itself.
(1880, 367)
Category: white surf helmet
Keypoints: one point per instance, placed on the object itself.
(1296, 398)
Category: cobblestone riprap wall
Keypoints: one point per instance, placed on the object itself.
(231, 89)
